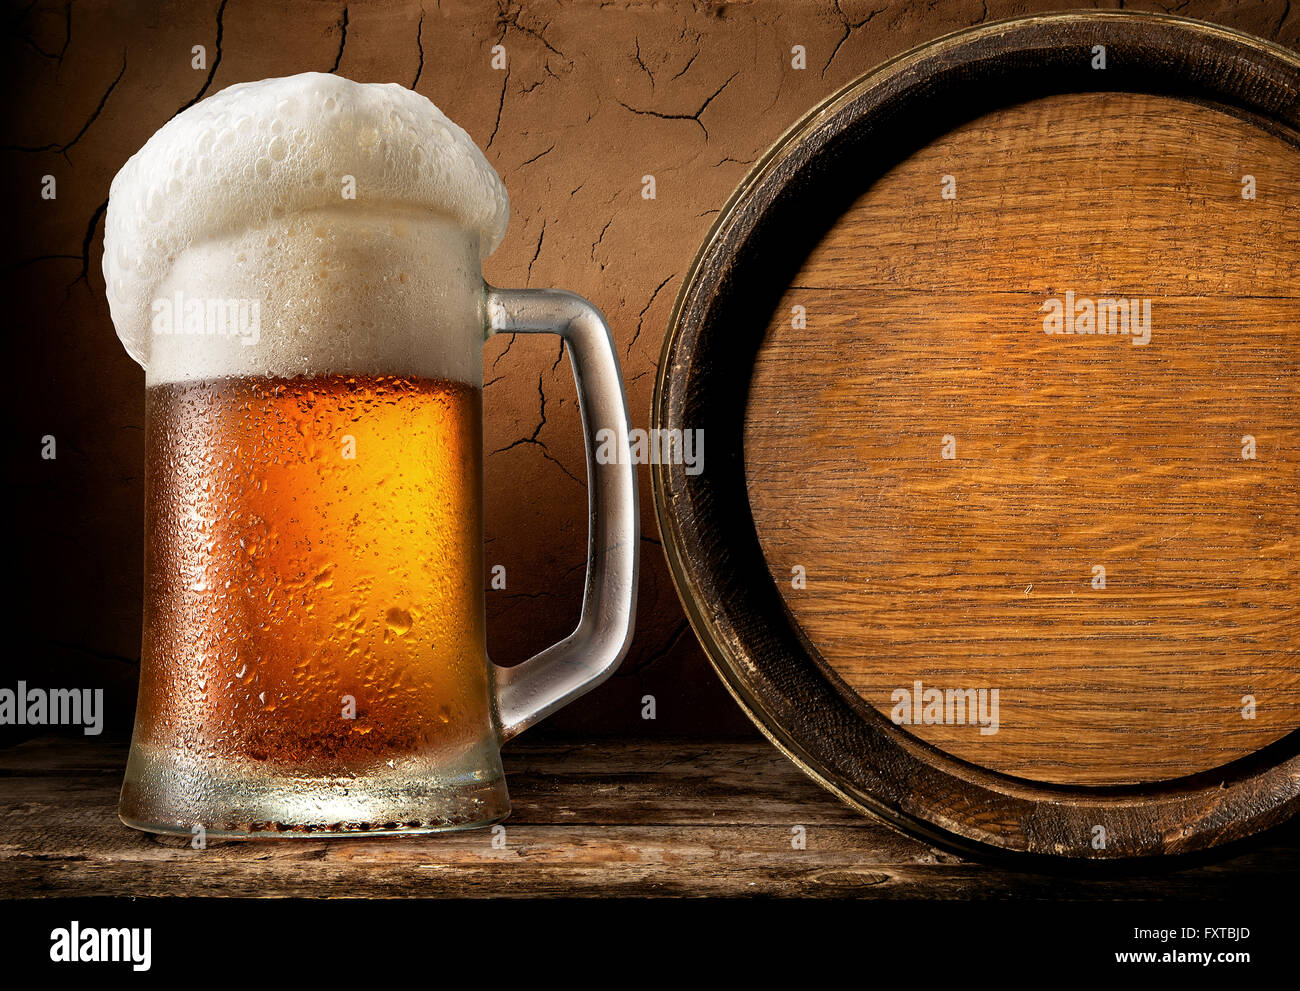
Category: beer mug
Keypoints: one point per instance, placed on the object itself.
(297, 265)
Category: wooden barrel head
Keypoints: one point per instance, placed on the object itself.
(997, 358)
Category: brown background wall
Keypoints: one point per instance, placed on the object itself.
(595, 96)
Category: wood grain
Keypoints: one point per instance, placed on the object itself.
(641, 818)
(1113, 192)
(924, 321)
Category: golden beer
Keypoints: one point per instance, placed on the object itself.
(313, 592)
(314, 552)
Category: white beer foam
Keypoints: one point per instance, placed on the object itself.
(240, 197)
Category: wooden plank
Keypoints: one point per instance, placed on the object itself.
(1117, 191)
(652, 819)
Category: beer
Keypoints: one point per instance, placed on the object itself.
(314, 553)
(296, 264)
(313, 657)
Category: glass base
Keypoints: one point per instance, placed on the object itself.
(169, 793)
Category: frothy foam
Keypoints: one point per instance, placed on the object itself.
(240, 200)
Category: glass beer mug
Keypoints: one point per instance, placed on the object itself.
(296, 263)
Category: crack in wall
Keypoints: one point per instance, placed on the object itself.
(42, 258)
(531, 438)
(343, 41)
(93, 226)
(525, 595)
(86, 242)
(674, 639)
(689, 62)
(596, 244)
(534, 437)
(56, 57)
(216, 59)
(645, 309)
(528, 278)
(94, 116)
(509, 345)
(509, 18)
(535, 157)
(644, 68)
(550, 593)
(682, 43)
(419, 47)
(849, 28)
(500, 105)
(695, 116)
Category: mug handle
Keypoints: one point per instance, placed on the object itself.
(528, 692)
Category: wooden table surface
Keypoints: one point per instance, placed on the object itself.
(591, 819)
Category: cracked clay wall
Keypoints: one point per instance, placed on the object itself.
(594, 96)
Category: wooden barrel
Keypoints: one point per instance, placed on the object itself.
(996, 359)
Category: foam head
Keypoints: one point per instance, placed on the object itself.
(303, 225)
